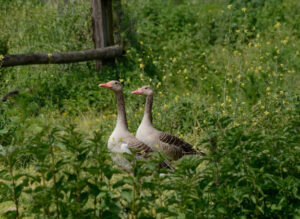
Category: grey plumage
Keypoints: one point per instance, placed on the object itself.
(121, 140)
(169, 144)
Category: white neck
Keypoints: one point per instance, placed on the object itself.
(147, 118)
(121, 119)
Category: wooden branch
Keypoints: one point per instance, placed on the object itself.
(63, 57)
(11, 93)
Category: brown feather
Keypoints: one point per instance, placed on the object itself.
(173, 140)
(143, 150)
(137, 145)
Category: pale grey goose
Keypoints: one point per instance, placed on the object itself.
(169, 144)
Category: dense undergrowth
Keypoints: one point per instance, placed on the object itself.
(226, 79)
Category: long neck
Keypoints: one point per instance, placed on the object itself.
(121, 119)
(148, 110)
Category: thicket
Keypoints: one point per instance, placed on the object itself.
(226, 79)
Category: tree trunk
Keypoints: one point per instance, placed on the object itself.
(102, 23)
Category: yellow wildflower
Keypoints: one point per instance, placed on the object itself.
(229, 6)
(284, 42)
(244, 9)
(142, 65)
(277, 25)
(266, 113)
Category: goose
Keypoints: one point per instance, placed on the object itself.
(169, 144)
(121, 140)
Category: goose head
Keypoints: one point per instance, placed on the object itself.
(144, 91)
(115, 86)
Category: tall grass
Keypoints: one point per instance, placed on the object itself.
(226, 79)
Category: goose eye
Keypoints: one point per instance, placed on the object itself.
(146, 88)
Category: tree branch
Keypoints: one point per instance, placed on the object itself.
(63, 57)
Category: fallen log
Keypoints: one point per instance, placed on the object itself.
(61, 57)
(11, 93)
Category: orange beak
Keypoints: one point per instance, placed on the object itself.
(138, 91)
(106, 85)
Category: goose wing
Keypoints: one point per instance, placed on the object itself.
(143, 149)
(178, 143)
(137, 145)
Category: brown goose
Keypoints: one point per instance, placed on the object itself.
(170, 145)
(121, 141)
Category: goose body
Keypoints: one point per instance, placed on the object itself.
(121, 140)
(169, 144)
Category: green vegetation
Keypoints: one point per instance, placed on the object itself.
(226, 76)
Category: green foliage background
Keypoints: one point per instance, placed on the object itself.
(226, 79)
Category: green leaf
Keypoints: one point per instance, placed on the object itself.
(93, 188)
(127, 194)
(221, 210)
(252, 197)
(3, 172)
(3, 131)
(7, 186)
(6, 207)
